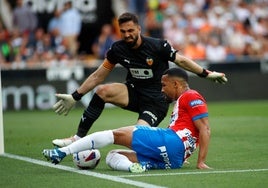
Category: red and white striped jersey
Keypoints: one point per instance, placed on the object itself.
(189, 107)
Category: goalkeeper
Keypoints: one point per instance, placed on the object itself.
(150, 147)
(145, 59)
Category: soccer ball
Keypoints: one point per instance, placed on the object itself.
(87, 159)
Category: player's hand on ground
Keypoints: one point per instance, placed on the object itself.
(202, 166)
(186, 162)
(64, 105)
(217, 77)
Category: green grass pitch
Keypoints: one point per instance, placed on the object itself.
(238, 150)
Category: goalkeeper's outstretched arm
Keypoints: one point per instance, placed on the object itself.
(67, 101)
(193, 67)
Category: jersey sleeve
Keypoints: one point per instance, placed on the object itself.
(111, 56)
(167, 51)
(195, 105)
(108, 65)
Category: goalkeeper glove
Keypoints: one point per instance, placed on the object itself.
(214, 76)
(66, 102)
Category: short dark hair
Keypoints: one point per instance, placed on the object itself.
(126, 17)
(176, 72)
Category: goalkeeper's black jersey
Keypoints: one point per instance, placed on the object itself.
(145, 64)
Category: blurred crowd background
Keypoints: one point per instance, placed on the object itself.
(41, 34)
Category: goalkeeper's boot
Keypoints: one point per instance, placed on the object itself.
(137, 168)
(54, 155)
(63, 142)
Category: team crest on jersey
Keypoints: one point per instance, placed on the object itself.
(149, 61)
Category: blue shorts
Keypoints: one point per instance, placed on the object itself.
(158, 148)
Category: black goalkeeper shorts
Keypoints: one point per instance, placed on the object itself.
(150, 105)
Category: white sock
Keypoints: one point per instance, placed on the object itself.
(92, 141)
(118, 161)
(76, 137)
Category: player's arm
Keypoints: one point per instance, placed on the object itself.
(96, 77)
(67, 101)
(193, 67)
(204, 136)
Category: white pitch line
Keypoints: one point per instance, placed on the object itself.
(88, 173)
(195, 173)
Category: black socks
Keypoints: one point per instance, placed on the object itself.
(90, 115)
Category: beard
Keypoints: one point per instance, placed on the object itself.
(167, 98)
(132, 43)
